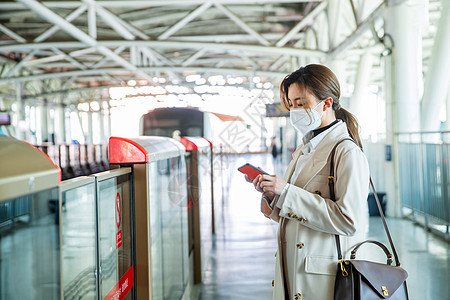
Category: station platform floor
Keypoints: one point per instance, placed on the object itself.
(242, 262)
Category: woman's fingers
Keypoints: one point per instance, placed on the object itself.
(248, 178)
(257, 185)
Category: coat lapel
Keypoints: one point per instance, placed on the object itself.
(292, 164)
(320, 156)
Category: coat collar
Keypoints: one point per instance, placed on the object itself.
(320, 156)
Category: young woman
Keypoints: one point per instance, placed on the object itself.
(306, 260)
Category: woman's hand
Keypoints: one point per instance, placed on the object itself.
(267, 195)
(271, 184)
(255, 183)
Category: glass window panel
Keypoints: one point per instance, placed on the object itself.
(79, 243)
(115, 234)
(29, 247)
(168, 219)
(204, 174)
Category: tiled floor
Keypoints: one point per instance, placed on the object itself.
(242, 262)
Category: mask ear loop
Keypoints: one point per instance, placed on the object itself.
(321, 101)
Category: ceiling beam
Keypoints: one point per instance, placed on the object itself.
(150, 3)
(189, 17)
(169, 44)
(162, 69)
(300, 25)
(72, 16)
(242, 24)
(20, 64)
(194, 57)
(358, 32)
(12, 34)
(52, 17)
(114, 23)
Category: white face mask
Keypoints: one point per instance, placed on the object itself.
(304, 122)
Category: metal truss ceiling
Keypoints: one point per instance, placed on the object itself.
(85, 44)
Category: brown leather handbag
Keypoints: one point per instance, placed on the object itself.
(366, 280)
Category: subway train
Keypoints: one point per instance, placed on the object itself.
(164, 121)
(190, 122)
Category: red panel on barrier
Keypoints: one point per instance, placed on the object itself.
(122, 150)
(190, 146)
(121, 289)
(210, 144)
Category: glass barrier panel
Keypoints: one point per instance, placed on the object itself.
(79, 242)
(29, 247)
(169, 228)
(115, 229)
(204, 176)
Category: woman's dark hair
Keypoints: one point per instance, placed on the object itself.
(322, 83)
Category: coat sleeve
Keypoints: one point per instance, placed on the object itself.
(275, 214)
(343, 217)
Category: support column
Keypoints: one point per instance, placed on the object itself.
(447, 104)
(393, 207)
(60, 126)
(68, 125)
(403, 22)
(42, 128)
(101, 121)
(20, 113)
(338, 68)
(438, 76)
(310, 43)
(108, 118)
(362, 79)
(90, 131)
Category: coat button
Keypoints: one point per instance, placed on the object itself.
(273, 282)
(304, 220)
(298, 296)
(300, 245)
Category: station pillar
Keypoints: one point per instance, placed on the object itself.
(438, 76)
(20, 132)
(90, 130)
(361, 84)
(403, 82)
(447, 122)
(60, 125)
(338, 68)
(42, 128)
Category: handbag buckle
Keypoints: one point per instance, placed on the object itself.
(343, 270)
(385, 291)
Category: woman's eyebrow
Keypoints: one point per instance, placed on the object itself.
(296, 99)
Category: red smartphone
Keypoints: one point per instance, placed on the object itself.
(251, 171)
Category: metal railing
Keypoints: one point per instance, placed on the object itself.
(424, 177)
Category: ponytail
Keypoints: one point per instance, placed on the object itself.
(351, 122)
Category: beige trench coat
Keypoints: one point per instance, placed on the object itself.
(309, 219)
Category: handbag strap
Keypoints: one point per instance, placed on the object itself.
(331, 181)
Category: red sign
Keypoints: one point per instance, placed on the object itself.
(118, 221)
(122, 287)
(118, 239)
(118, 211)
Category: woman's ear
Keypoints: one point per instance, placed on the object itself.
(328, 103)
